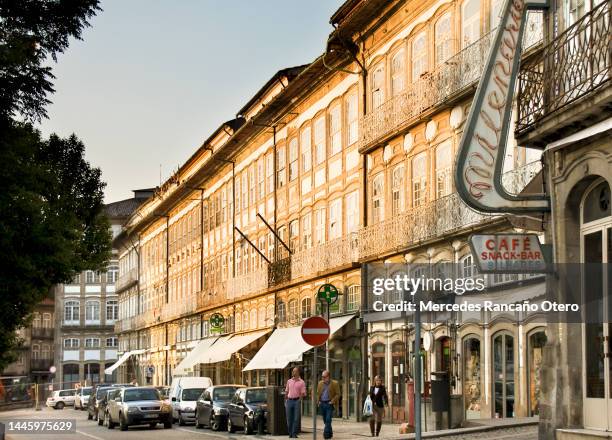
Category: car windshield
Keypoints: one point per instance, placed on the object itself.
(191, 394)
(163, 392)
(101, 392)
(132, 395)
(224, 394)
(256, 396)
(86, 391)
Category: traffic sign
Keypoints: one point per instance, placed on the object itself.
(328, 293)
(217, 320)
(315, 331)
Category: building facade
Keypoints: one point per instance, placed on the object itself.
(331, 167)
(85, 313)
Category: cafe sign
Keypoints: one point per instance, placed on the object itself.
(482, 149)
(508, 253)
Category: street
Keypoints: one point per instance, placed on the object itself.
(89, 429)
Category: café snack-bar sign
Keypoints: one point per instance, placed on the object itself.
(483, 144)
(508, 253)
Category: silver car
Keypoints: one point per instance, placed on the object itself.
(138, 406)
(82, 397)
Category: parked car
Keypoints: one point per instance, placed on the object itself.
(187, 382)
(138, 406)
(110, 394)
(82, 397)
(184, 405)
(211, 407)
(60, 399)
(248, 408)
(97, 394)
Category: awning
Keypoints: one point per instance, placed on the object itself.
(226, 346)
(286, 345)
(194, 356)
(124, 357)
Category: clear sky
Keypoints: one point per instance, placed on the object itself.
(153, 78)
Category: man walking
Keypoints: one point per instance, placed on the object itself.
(295, 390)
(329, 396)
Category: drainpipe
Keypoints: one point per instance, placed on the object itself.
(274, 178)
(167, 259)
(201, 240)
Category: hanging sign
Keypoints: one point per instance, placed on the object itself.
(482, 149)
(508, 253)
(216, 321)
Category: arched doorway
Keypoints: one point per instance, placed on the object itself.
(398, 391)
(503, 375)
(536, 340)
(92, 373)
(378, 360)
(596, 251)
(70, 375)
(472, 391)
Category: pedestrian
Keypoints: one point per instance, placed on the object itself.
(328, 391)
(378, 395)
(295, 390)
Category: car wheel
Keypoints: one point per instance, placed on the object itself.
(214, 425)
(152, 425)
(167, 425)
(123, 426)
(230, 426)
(247, 428)
(101, 419)
(197, 421)
(60, 405)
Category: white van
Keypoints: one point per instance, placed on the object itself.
(184, 393)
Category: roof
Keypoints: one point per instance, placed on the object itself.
(355, 15)
(123, 208)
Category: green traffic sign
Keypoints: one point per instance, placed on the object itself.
(217, 320)
(328, 293)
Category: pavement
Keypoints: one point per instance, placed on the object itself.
(495, 429)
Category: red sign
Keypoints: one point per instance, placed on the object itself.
(315, 331)
(508, 253)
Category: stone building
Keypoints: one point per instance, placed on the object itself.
(331, 166)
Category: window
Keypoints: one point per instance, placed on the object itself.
(307, 231)
(71, 343)
(36, 320)
(253, 318)
(245, 320)
(378, 186)
(306, 148)
(46, 321)
(90, 277)
(352, 212)
(470, 22)
(419, 56)
(252, 186)
(398, 63)
(112, 310)
(443, 170)
(378, 86)
(112, 342)
(419, 179)
(443, 39)
(319, 140)
(294, 236)
(269, 173)
(335, 219)
(111, 274)
(495, 13)
(92, 311)
(293, 310)
(468, 268)
(352, 119)
(261, 316)
(335, 129)
(293, 159)
(306, 307)
(35, 351)
(245, 190)
(238, 322)
(281, 164)
(72, 311)
(282, 313)
(92, 343)
(260, 178)
(45, 351)
(398, 190)
(320, 226)
(282, 233)
(353, 297)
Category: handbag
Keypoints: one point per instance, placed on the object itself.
(367, 406)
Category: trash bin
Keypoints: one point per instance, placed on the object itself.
(277, 419)
(440, 391)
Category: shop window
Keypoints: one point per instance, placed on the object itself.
(535, 358)
(471, 377)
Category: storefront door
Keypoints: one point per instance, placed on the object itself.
(471, 377)
(503, 375)
(596, 234)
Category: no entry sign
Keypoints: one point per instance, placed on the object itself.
(315, 331)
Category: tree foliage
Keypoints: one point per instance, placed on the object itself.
(52, 223)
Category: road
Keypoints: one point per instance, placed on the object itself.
(89, 430)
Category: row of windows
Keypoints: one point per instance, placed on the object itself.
(43, 351)
(43, 320)
(91, 342)
(91, 277)
(72, 310)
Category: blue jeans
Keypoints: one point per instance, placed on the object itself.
(292, 408)
(326, 411)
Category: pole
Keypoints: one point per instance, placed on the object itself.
(36, 396)
(327, 344)
(314, 401)
(417, 370)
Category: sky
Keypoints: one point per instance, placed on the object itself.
(152, 79)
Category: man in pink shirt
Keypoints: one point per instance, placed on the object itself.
(295, 390)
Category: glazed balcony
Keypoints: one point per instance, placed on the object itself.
(127, 279)
(324, 258)
(125, 324)
(247, 284)
(42, 333)
(442, 86)
(433, 220)
(565, 85)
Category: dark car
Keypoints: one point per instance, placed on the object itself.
(212, 406)
(247, 410)
(97, 394)
(103, 404)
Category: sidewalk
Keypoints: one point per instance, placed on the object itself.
(345, 429)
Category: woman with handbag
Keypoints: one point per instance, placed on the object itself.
(378, 395)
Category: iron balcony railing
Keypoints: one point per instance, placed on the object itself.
(575, 64)
(248, 284)
(436, 87)
(325, 257)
